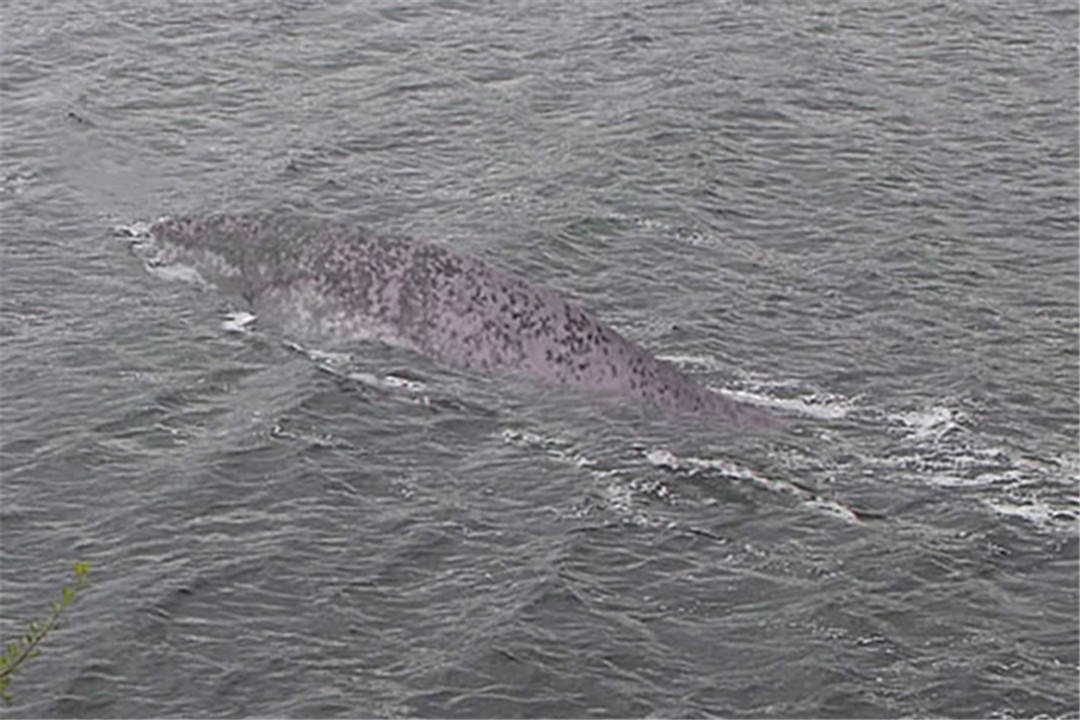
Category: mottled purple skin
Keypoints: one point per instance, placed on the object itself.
(335, 282)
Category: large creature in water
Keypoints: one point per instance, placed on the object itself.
(333, 282)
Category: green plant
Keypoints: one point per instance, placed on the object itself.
(18, 652)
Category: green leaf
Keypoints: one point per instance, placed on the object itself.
(15, 653)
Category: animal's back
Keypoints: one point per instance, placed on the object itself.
(334, 281)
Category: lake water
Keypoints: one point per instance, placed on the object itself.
(862, 216)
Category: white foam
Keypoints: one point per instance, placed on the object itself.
(705, 362)
(784, 395)
(687, 235)
(663, 459)
(817, 405)
(333, 360)
(1033, 510)
(555, 447)
(339, 364)
(394, 381)
(936, 447)
(930, 423)
(621, 497)
(176, 272)
(834, 508)
(238, 322)
(137, 229)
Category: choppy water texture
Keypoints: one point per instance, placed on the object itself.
(860, 216)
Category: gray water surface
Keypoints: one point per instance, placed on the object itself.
(861, 216)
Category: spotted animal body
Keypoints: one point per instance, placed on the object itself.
(335, 282)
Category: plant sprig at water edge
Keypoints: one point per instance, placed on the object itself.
(16, 653)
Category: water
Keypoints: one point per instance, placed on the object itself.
(861, 216)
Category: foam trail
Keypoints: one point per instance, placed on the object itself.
(330, 281)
